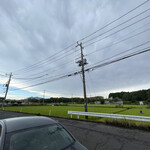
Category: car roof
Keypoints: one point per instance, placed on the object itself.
(20, 123)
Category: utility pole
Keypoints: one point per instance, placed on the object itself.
(82, 63)
(7, 87)
(43, 97)
(72, 98)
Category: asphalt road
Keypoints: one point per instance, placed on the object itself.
(96, 136)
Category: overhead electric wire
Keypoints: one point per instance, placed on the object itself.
(38, 80)
(45, 72)
(125, 51)
(118, 25)
(116, 20)
(118, 59)
(91, 68)
(30, 78)
(117, 31)
(102, 48)
(101, 65)
(2, 75)
(58, 78)
(103, 59)
(139, 33)
(94, 42)
(46, 58)
(49, 63)
(57, 58)
(93, 32)
(52, 69)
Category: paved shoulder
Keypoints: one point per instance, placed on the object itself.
(7, 114)
(96, 136)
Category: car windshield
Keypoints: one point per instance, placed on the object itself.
(53, 137)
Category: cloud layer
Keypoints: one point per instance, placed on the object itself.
(31, 31)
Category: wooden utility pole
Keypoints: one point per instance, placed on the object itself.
(7, 87)
(83, 62)
(43, 97)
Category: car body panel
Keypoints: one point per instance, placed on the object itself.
(76, 146)
(11, 125)
(2, 134)
(20, 123)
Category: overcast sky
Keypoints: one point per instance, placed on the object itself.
(35, 31)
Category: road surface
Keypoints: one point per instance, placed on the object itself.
(96, 136)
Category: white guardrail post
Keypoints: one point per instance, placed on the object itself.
(50, 112)
(105, 115)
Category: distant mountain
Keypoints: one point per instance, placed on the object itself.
(38, 98)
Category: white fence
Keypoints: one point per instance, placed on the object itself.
(105, 115)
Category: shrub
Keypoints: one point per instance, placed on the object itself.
(119, 106)
(15, 105)
(148, 106)
(128, 124)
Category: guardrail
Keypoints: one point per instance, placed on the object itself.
(105, 115)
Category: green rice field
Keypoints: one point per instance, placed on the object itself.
(61, 111)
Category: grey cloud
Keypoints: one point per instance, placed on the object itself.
(33, 30)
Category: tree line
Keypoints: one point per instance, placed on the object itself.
(68, 100)
(141, 95)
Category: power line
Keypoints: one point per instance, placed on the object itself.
(113, 28)
(51, 69)
(139, 33)
(108, 58)
(115, 20)
(56, 58)
(47, 72)
(118, 59)
(46, 61)
(119, 53)
(50, 77)
(123, 52)
(32, 78)
(29, 80)
(118, 25)
(91, 68)
(56, 78)
(90, 34)
(117, 31)
(102, 48)
(46, 58)
(3, 75)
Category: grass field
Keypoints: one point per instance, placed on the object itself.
(61, 111)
